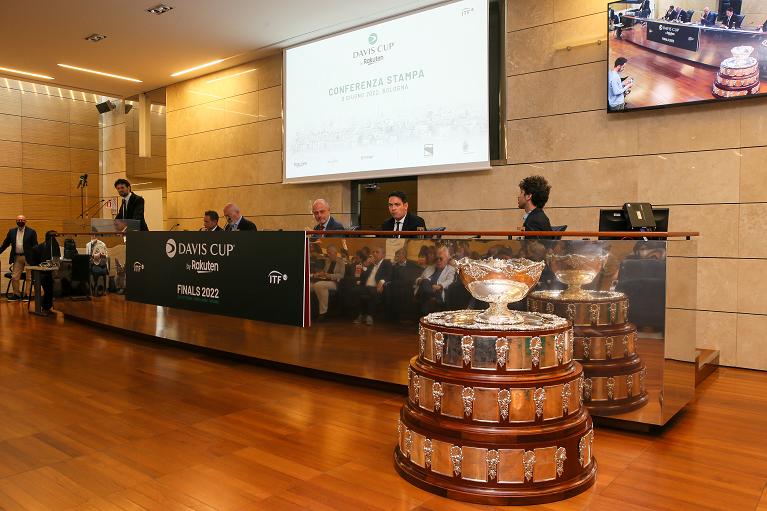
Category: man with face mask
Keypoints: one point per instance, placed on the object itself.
(21, 239)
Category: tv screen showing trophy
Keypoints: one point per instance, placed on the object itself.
(698, 51)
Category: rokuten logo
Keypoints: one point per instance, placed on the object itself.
(170, 248)
(372, 38)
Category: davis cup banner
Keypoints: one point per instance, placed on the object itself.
(254, 275)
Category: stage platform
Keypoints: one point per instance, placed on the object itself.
(379, 353)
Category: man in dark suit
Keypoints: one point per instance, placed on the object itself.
(21, 240)
(46, 251)
(400, 219)
(132, 207)
(730, 20)
(399, 291)
(669, 14)
(533, 195)
(708, 18)
(235, 221)
(325, 221)
(210, 222)
(366, 294)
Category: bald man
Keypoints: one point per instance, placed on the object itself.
(235, 221)
(325, 221)
(21, 239)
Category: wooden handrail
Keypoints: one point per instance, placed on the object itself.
(429, 234)
(558, 234)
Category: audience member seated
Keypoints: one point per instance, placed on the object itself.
(368, 288)
(325, 281)
(430, 288)
(47, 251)
(99, 266)
(399, 292)
(427, 255)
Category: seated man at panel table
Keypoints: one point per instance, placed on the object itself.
(708, 18)
(326, 280)
(325, 221)
(235, 221)
(401, 219)
(431, 286)
(366, 294)
(669, 14)
(533, 195)
(730, 19)
(210, 222)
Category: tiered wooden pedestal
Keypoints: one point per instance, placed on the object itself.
(605, 344)
(496, 416)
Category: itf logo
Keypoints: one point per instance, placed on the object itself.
(372, 38)
(276, 277)
(170, 248)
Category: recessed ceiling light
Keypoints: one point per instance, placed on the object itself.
(25, 73)
(195, 68)
(110, 75)
(96, 37)
(159, 9)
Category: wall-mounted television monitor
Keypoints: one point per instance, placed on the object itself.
(698, 51)
(404, 96)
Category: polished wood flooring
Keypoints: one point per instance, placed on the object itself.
(661, 79)
(378, 353)
(91, 419)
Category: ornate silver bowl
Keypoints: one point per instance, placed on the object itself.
(499, 282)
(576, 270)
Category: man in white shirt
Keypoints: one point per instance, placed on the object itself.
(616, 88)
(97, 250)
(21, 239)
(327, 280)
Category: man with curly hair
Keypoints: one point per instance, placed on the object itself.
(533, 195)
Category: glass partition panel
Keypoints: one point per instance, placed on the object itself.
(632, 303)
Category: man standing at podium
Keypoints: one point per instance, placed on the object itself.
(132, 207)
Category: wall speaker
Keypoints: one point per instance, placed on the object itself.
(106, 106)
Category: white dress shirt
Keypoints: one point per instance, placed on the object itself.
(372, 277)
(20, 241)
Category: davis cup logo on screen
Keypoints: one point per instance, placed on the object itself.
(372, 38)
(170, 248)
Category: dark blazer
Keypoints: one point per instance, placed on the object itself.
(216, 229)
(244, 225)
(135, 210)
(537, 221)
(410, 223)
(731, 21)
(45, 251)
(710, 20)
(30, 240)
(384, 272)
(333, 225)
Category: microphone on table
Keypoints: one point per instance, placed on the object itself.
(173, 227)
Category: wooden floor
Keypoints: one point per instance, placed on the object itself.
(93, 420)
(662, 79)
(379, 353)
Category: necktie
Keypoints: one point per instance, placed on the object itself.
(396, 227)
(322, 227)
(125, 207)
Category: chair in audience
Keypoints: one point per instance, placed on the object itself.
(688, 16)
(8, 275)
(739, 20)
(558, 228)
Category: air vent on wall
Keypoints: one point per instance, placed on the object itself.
(160, 9)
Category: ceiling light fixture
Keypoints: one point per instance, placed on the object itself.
(25, 73)
(110, 75)
(159, 9)
(94, 38)
(195, 68)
